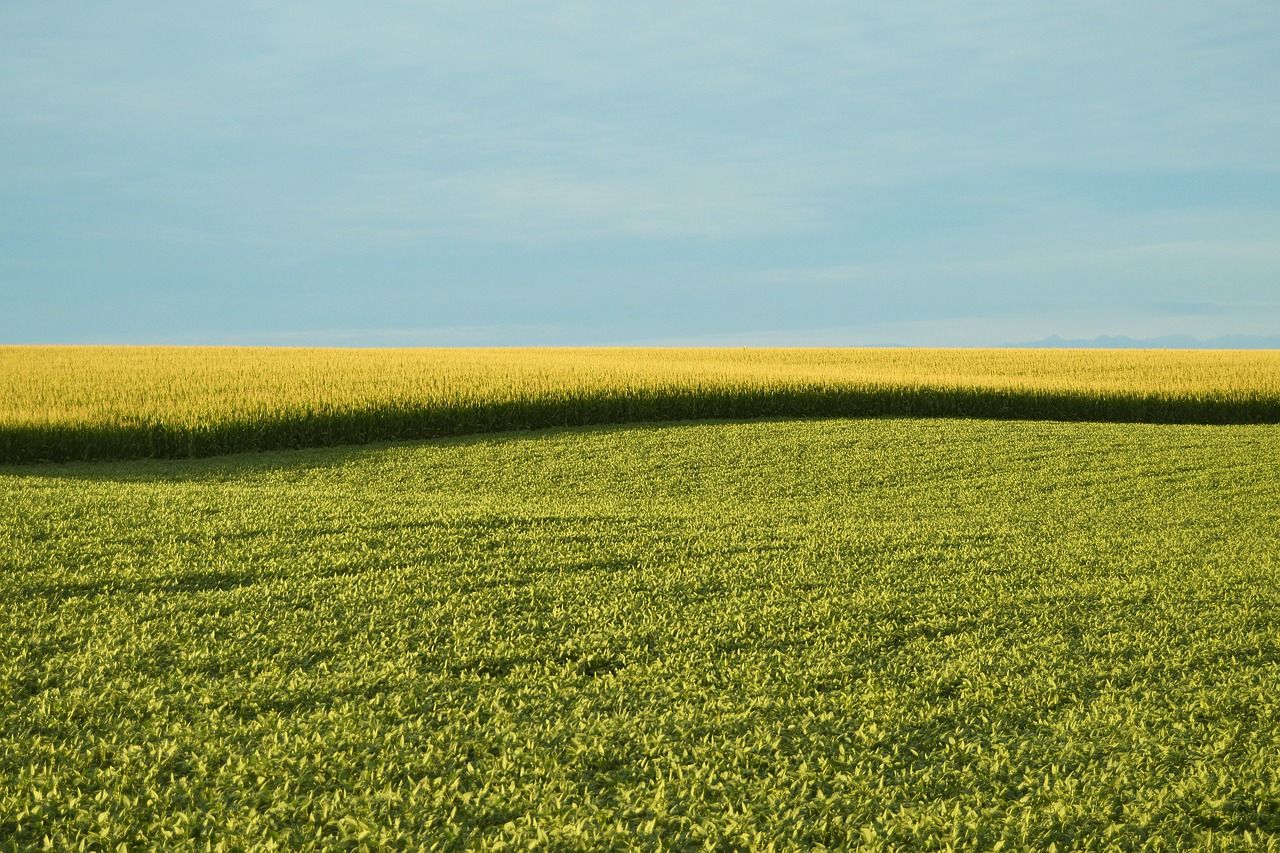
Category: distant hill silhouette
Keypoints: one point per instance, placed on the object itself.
(1165, 342)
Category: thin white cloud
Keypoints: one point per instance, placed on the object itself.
(535, 209)
(443, 336)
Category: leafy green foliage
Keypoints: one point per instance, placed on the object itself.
(888, 634)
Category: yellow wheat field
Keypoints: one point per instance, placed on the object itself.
(48, 385)
(62, 403)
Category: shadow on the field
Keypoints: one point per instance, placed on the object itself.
(294, 464)
(55, 592)
(311, 429)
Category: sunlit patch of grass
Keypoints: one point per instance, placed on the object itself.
(898, 634)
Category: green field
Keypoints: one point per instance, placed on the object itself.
(899, 634)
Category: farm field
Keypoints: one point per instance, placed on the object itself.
(67, 403)
(887, 633)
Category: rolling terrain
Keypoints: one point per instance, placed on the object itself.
(887, 633)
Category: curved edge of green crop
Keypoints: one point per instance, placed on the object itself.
(292, 430)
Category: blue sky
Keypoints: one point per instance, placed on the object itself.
(512, 173)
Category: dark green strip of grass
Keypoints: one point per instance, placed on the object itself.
(302, 429)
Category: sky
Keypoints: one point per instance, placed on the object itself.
(693, 173)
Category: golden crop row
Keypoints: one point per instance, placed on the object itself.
(172, 391)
